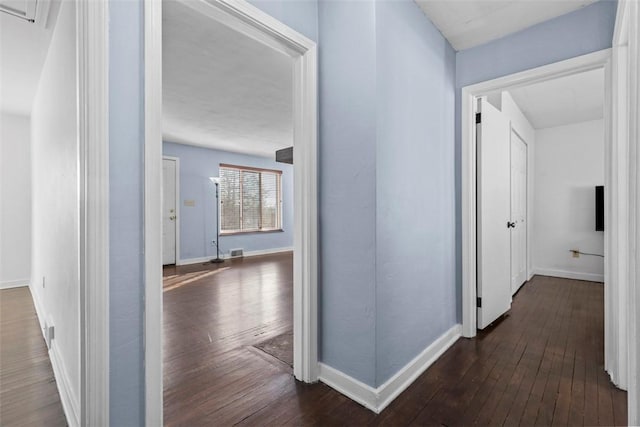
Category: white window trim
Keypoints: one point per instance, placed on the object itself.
(242, 169)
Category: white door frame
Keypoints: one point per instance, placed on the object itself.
(527, 225)
(613, 306)
(248, 20)
(625, 120)
(177, 204)
(92, 32)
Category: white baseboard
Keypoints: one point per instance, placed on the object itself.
(355, 390)
(570, 275)
(268, 251)
(39, 310)
(189, 261)
(10, 284)
(70, 404)
(376, 399)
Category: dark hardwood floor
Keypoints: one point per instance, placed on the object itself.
(540, 365)
(28, 392)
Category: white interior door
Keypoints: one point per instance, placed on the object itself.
(168, 211)
(518, 212)
(493, 213)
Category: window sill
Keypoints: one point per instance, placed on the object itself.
(233, 233)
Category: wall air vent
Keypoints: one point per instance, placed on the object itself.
(236, 253)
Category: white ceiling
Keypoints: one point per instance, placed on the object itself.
(23, 50)
(221, 89)
(470, 23)
(563, 101)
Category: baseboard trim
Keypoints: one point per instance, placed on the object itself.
(377, 399)
(355, 390)
(590, 277)
(39, 311)
(10, 284)
(70, 405)
(69, 402)
(247, 254)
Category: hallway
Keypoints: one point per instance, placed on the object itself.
(541, 364)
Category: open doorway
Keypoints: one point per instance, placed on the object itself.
(231, 101)
(539, 157)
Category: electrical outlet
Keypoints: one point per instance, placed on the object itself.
(213, 243)
(576, 253)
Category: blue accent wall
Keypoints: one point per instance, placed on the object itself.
(126, 207)
(584, 31)
(415, 186)
(347, 180)
(198, 223)
(300, 15)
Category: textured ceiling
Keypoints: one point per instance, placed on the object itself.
(221, 89)
(470, 23)
(563, 101)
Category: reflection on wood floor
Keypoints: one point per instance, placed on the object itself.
(227, 358)
(28, 392)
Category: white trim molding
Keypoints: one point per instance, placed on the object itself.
(589, 277)
(376, 399)
(252, 22)
(70, 404)
(10, 284)
(153, 212)
(614, 305)
(625, 118)
(92, 28)
(248, 254)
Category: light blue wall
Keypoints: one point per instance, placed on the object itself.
(348, 186)
(584, 31)
(126, 132)
(198, 223)
(359, 149)
(300, 15)
(415, 197)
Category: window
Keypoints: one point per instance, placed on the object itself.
(250, 199)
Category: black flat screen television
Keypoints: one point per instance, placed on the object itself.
(600, 208)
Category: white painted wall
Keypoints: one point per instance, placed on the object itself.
(569, 164)
(55, 232)
(15, 200)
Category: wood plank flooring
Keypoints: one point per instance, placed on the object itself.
(540, 365)
(28, 392)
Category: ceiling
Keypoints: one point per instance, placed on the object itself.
(571, 99)
(470, 23)
(23, 50)
(221, 89)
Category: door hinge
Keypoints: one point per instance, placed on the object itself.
(478, 117)
(479, 302)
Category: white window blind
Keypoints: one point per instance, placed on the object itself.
(249, 199)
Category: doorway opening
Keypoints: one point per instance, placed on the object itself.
(223, 120)
(499, 211)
